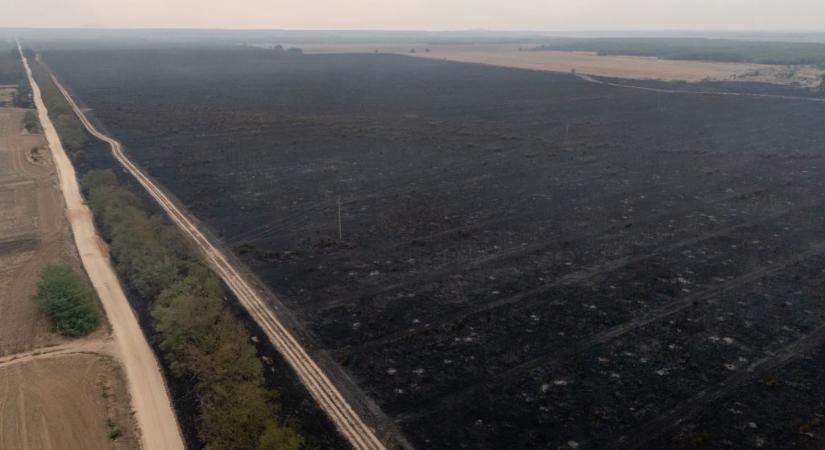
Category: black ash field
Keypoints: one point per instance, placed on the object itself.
(529, 260)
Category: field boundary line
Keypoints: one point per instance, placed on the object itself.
(323, 390)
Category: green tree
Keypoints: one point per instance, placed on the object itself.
(31, 122)
(68, 300)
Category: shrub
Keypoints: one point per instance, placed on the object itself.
(68, 300)
(31, 122)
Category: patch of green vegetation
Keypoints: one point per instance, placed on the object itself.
(722, 50)
(31, 122)
(35, 154)
(68, 300)
(200, 338)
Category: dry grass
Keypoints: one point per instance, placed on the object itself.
(632, 67)
(72, 402)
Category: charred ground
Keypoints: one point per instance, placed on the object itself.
(529, 260)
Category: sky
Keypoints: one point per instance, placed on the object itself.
(534, 15)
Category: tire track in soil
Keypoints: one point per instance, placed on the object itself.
(71, 348)
(554, 359)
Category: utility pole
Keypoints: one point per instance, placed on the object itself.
(340, 225)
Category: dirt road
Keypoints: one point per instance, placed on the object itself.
(329, 398)
(155, 417)
(93, 346)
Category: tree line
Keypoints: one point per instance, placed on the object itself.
(200, 339)
(723, 50)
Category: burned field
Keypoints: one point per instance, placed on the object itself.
(529, 260)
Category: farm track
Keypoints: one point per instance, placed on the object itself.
(67, 349)
(329, 398)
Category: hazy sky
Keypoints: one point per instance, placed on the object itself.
(546, 15)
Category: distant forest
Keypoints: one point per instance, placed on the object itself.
(723, 50)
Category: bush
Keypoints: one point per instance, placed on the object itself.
(278, 437)
(68, 300)
(31, 122)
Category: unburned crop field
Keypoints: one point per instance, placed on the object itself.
(529, 260)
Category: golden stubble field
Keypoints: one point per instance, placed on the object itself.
(631, 67)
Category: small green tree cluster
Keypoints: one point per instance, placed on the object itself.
(199, 337)
(31, 122)
(68, 300)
